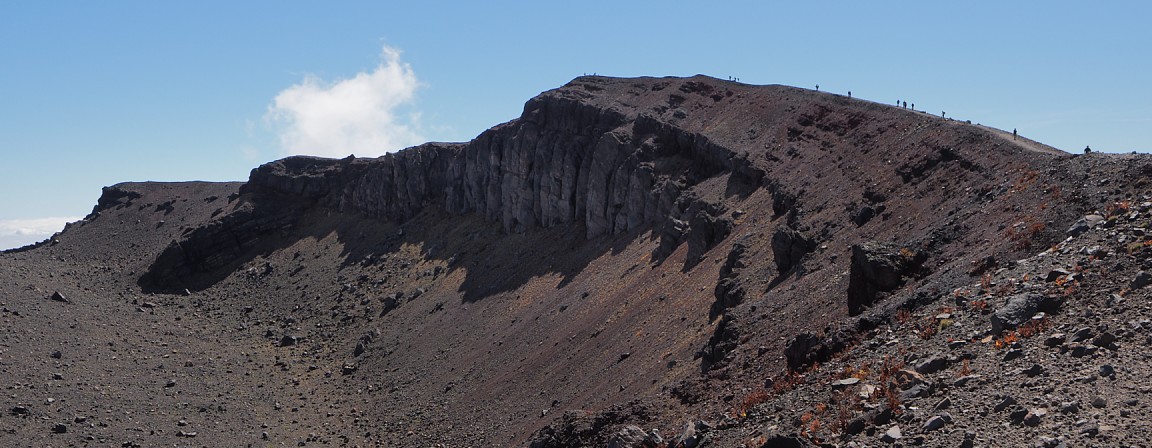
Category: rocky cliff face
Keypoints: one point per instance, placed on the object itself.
(562, 162)
(566, 160)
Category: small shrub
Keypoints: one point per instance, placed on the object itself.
(1007, 340)
(786, 382)
(1033, 327)
(753, 398)
(927, 328)
(964, 370)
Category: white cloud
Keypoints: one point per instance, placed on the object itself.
(21, 232)
(361, 115)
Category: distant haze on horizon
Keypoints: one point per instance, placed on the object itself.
(97, 94)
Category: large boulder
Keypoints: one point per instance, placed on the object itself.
(879, 267)
(1020, 309)
(628, 437)
(789, 247)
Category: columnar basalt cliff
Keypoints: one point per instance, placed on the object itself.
(628, 254)
(562, 162)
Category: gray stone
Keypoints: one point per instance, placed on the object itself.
(628, 437)
(1018, 310)
(934, 423)
(1055, 340)
(1036, 369)
(1080, 351)
(913, 392)
(932, 365)
(892, 434)
(1035, 416)
(1078, 228)
(1105, 340)
(1056, 274)
(964, 380)
(694, 434)
(1004, 404)
(856, 426)
(1017, 416)
(1082, 335)
(1142, 279)
(1099, 402)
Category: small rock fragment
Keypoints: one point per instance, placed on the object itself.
(1004, 403)
(1104, 340)
(1055, 340)
(845, 383)
(1035, 416)
(892, 434)
(932, 365)
(1142, 279)
(628, 437)
(934, 423)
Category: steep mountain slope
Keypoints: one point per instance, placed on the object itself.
(629, 251)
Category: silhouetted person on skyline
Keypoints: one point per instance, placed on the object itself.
(1013, 133)
(817, 87)
(849, 94)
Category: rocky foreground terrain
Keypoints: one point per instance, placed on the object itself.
(652, 262)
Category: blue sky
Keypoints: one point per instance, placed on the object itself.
(95, 93)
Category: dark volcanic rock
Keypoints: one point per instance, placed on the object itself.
(729, 291)
(563, 162)
(878, 267)
(789, 246)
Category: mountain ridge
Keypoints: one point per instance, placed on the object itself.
(629, 251)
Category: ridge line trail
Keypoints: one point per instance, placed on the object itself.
(1019, 140)
(1024, 142)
